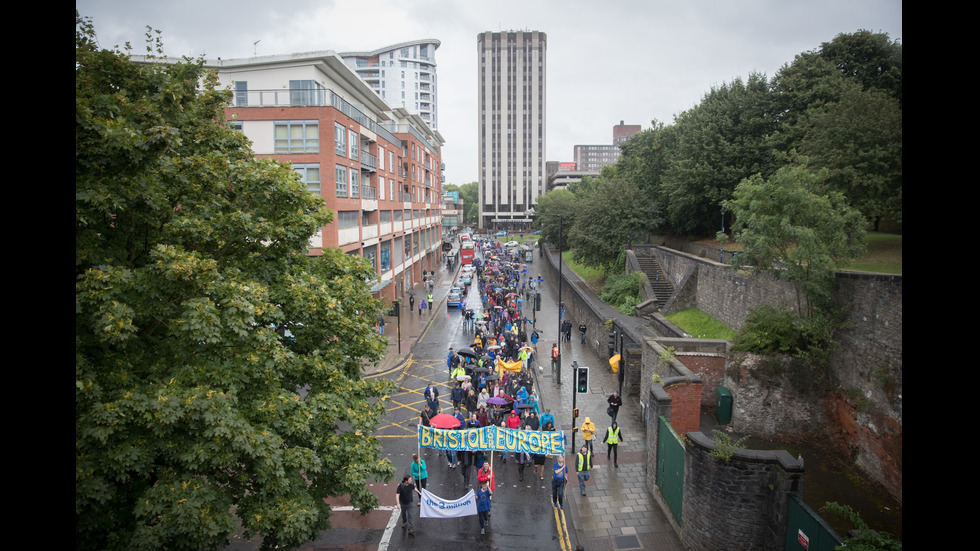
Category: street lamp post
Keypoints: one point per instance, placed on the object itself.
(531, 212)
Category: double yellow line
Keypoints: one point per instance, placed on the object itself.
(563, 539)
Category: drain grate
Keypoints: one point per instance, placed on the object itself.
(627, 542)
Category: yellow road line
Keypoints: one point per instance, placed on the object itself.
(566, 544)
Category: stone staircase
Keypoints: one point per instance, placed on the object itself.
(659, 282)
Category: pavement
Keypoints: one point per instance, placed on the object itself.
(618, 512)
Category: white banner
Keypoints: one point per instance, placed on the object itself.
(434, 506)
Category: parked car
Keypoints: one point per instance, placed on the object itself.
(466, 279)
(453, 300)
(511, 244)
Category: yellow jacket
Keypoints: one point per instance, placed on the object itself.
(588, 429)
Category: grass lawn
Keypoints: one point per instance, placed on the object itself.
(701, 325)
(592, 276)
(884, 254)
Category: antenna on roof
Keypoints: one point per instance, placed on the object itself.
(255, 49)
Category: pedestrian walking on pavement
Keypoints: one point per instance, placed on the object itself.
(381, 325)
(613, 437)
(430, 302)
(581, 329)
(588, 433)
(411, 301)
(404, 498)
(583, 466)
(422, 307)
(558, 482)
(614, 402)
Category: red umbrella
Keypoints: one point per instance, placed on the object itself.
(444, 421)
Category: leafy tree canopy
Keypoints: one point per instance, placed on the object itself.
(795, 231)
(616, 213)
(859, 140)
(719, 142)
(193, 405)
(561, 202)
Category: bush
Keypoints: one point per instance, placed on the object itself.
(622, 291)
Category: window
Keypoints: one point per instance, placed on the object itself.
(340, 139)
(355, 183)
(347, 219)
(236, 125)
(297, 137)
(306, 92)
(310, 175)
(241, 93)
(386, 256)
(355, 144)
(341, 181)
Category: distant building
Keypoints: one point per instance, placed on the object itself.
(622, 132)
(404, 75)
(512, 69)
(452, 211)
(594, 157)
(377, 167)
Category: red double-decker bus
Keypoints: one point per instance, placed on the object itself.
(466, 253)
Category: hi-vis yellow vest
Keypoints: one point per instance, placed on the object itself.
(612, 436)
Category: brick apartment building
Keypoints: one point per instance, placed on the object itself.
(378, 168)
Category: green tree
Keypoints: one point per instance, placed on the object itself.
(193, 404)
(615, 213)
(872, 59)
(645, 159)
(470, 193)
(792, 229)
(561, 202)
(719, 142)
(858, 139)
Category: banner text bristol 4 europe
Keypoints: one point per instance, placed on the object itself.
(493, 439)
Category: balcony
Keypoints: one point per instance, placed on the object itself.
(369, 162)
(309, 98)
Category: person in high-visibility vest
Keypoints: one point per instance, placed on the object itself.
(554, 357)
(583, 466)
(612, 440)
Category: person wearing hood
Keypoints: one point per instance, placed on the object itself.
(588, 432)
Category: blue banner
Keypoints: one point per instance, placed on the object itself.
(493, 439)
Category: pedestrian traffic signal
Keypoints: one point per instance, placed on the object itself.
(582, 380)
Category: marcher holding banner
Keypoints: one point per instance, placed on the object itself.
(483, 506)
(558, 482)
(486, 475)
(419, 471)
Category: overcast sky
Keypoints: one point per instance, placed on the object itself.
(629, 60)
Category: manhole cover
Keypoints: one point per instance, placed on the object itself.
(627, 542)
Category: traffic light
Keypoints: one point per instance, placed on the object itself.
(582, 380)
(575, 413)
(612, 342)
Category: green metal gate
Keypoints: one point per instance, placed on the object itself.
(670, 471)
(805, 530)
